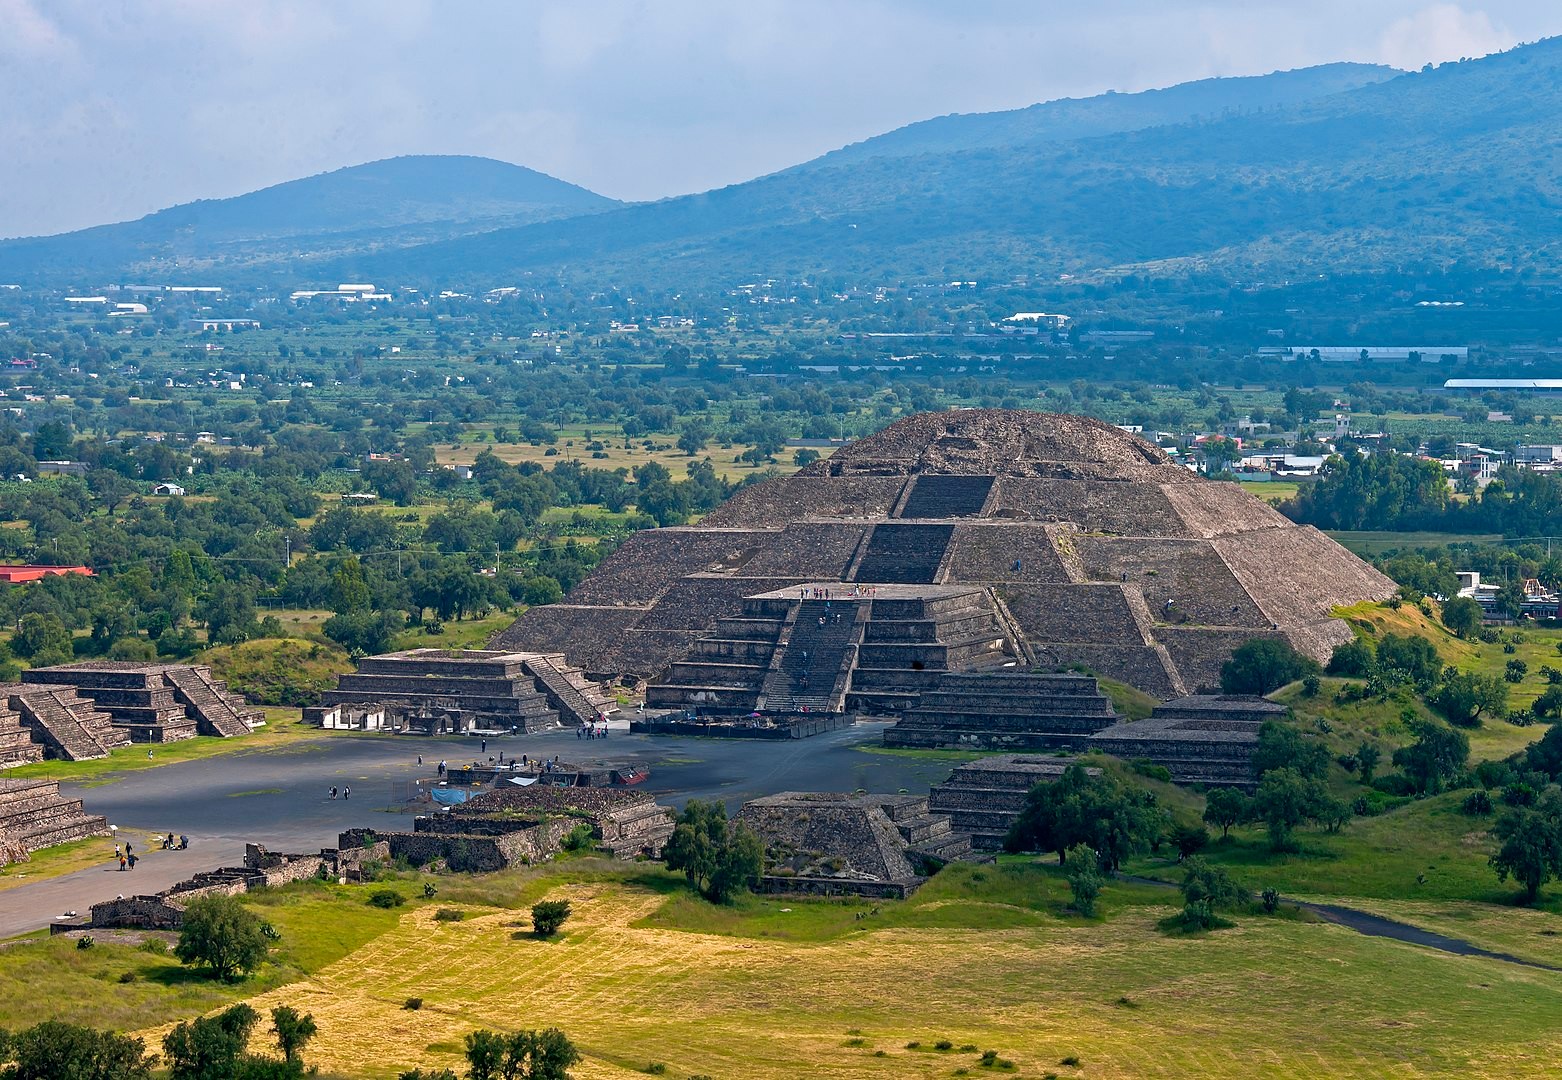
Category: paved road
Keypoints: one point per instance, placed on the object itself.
(279, 797)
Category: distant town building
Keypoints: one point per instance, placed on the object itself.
(199, 325)
(62, 468)
(1040, 318)
(167, 489)
(1477, 386)
(1345, 354)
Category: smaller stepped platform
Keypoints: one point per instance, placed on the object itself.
(33, 816)
(1005, 710)
(982, 798)
(861, 845)
(16, 740)
(624, 823)
(450, 691)
(156, 702)
(68, 726)
(1201, 738)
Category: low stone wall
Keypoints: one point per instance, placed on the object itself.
(825, 886)
(476, 854)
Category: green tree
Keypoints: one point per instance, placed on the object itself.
(1225, 807)
(1263, 665)
(1083, 871)
(1438, 755)
(1367, 758)
(522, 1055)
(211, 1047)
(349, 592)
(693, 437)
(222, 934)
(1113, 818)
(293, 1032)
(1530, 845)
(1353, 658)
(1412, 654)
(42, 639)
(54, 1050)
(1207, 889)
(1462, 697)
(1281, 746)
(720, 858)
(548, 916)
(1462, 615)
(1284, 801)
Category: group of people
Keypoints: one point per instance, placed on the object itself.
(346, 792)
(820, 592)
(591, 731)
(126, 857)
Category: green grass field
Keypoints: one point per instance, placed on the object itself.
(986, 957)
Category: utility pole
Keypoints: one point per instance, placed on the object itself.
(287, 551)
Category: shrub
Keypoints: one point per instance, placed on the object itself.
(413, 1004)
(1270, 899)
(578, 839)
(548, 916)
(656, 1068)
(85, 942)
(449, 914)
(127, 976)
(1071, 1061)
(943, 1044)
(1477, 803)
(1311, 684)
(1150, 770)
(386, 898)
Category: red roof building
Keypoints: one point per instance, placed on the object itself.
(20, 575)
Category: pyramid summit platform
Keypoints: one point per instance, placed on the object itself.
(1038, 541)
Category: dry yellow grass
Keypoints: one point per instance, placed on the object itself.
(1270, 997)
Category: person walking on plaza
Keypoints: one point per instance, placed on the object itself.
(347, 792)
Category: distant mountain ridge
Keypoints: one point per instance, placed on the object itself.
(1343, 166)
(1108, 113)
(1456, 164)
(391, 203)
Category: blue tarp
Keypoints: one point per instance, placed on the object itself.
(450, 796)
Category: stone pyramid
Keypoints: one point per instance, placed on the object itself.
(1099, 549)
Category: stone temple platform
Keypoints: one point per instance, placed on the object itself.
(444, 691)
(153, 702)
(861, 845)
(33, 815)
(1089, 548)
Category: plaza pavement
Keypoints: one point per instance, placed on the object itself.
(280, 797)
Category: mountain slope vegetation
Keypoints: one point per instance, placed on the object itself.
(391, 203)
(1108, 113)
(1433, 168)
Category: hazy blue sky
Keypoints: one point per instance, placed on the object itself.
(113, 108)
